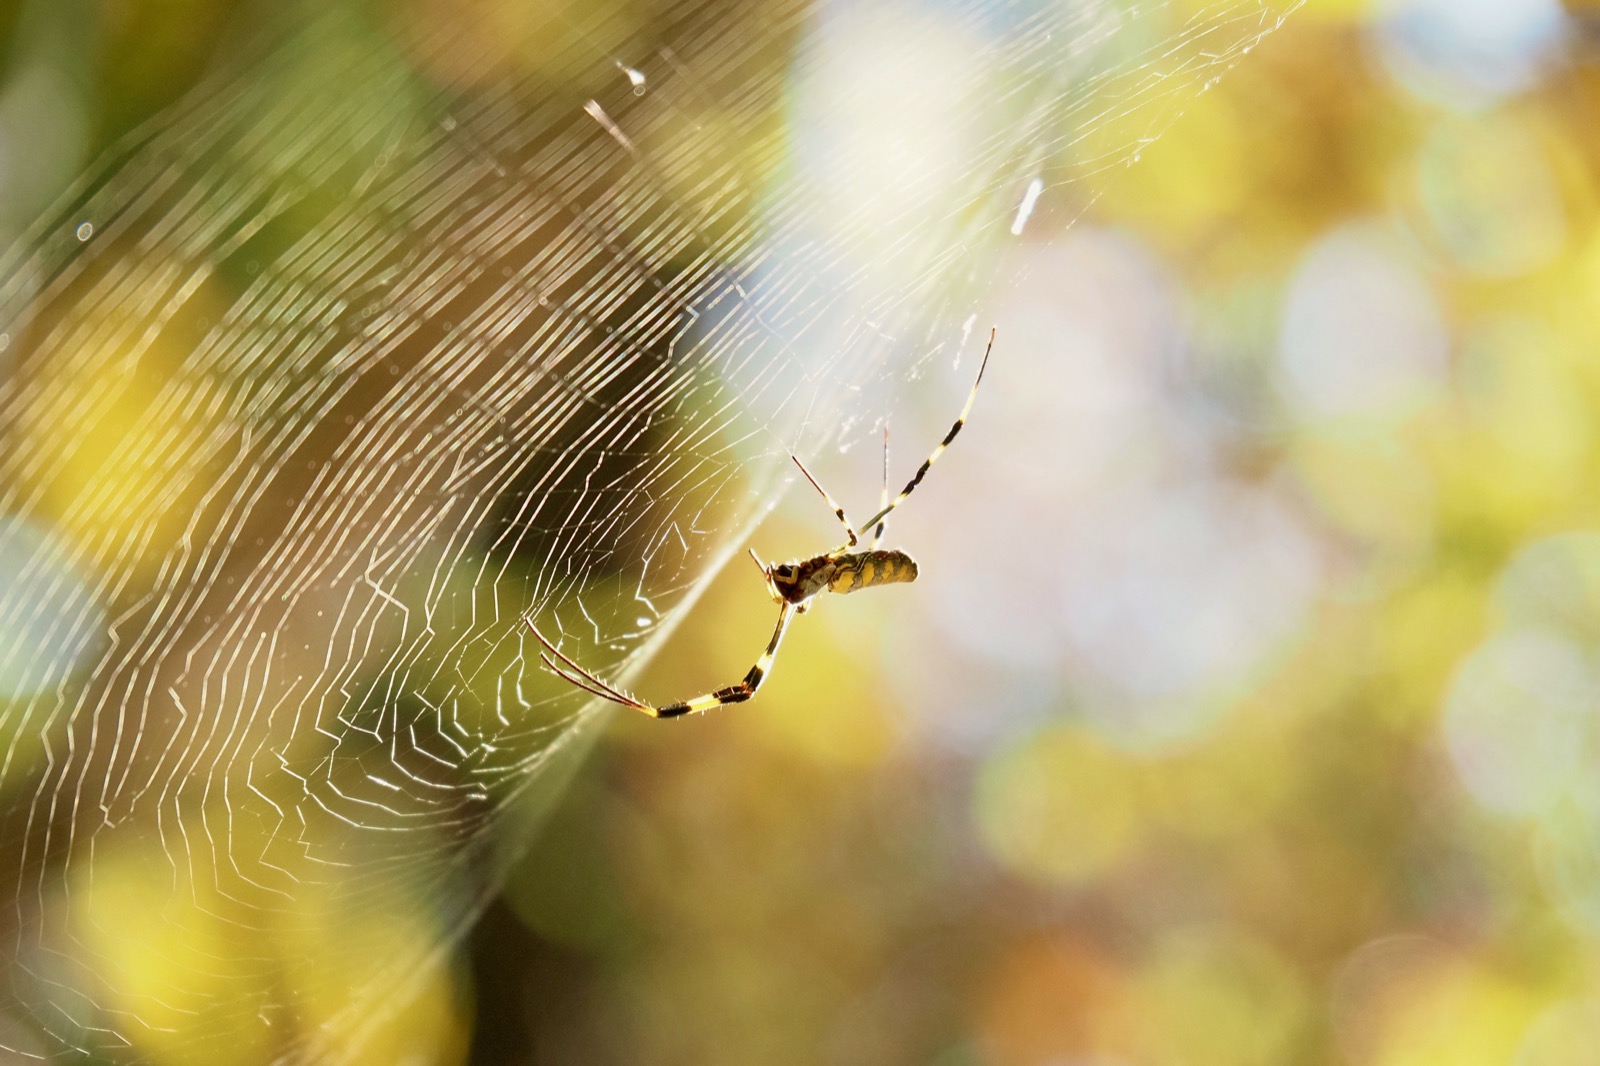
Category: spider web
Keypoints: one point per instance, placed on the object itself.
(391, 335)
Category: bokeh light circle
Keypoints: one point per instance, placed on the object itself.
(1464, 53)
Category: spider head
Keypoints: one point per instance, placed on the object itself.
(784, 580)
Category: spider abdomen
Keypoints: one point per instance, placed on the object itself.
(861, 570)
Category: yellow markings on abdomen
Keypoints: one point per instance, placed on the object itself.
(861, 570)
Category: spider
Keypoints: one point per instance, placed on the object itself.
(792, 585)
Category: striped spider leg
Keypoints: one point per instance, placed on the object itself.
(792, 585)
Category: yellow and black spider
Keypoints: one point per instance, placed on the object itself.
(792, 585)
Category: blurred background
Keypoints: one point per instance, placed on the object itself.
(1247, 709)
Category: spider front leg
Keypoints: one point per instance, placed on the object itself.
(564, 667)
(744, 689)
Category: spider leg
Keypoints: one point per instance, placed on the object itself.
(605, 692)
(883, 497)
(766, 577)
(850, 531)
(574, 674)
(563, 667)
(933, 457)
(744, 689)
